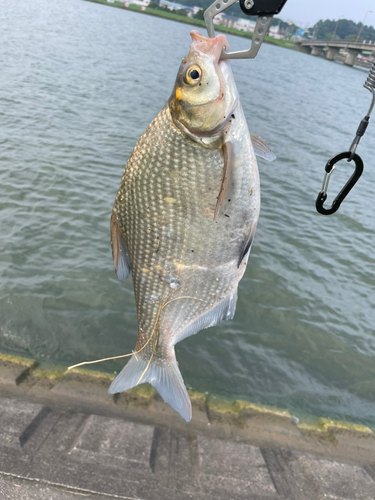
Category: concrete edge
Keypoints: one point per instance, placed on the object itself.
(218, 409)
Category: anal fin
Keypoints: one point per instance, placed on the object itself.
(119, 251)
(223, 311)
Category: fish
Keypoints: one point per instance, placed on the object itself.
(184, 218)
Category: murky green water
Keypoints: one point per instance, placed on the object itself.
(79, 82)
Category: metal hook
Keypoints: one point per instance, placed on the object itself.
(260, 30)
(329, 168)
(263, 9)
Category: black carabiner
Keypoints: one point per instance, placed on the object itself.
(322, 196)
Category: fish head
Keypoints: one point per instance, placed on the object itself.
(204, 95)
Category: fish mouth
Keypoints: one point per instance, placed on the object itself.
(211, 46)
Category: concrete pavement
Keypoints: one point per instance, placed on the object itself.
(62, 437)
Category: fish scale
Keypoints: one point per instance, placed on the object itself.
(186, 257)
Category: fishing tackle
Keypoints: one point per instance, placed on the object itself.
(329, 168)
(264, 9)
(350, 155)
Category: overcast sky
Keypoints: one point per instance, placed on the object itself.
(306, 13)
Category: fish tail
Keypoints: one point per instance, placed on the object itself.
(165, 377)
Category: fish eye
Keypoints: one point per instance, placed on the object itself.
(193, 75)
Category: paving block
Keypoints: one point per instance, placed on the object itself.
(102, 454)
(341, 480)
(113, 439)
(15, 417)
(288, 476)
(233, 468)
(14, 488)
(174, 460)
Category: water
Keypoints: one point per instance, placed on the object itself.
(79, 83)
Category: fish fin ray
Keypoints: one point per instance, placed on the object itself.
(119, 251)
(223, 311)
(261, 149)
(166, 379)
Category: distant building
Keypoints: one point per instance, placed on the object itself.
(244, 25)
(140, 3)
(176, 6)
(225, 20)
(218, 18)
(234, 22)
(274, 32)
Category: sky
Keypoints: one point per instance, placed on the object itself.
(305, 13)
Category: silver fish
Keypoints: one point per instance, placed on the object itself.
(184, 218)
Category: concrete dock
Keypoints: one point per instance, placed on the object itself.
(63, 438)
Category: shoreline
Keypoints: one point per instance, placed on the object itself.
(195, 22)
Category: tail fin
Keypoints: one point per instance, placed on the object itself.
(165, 378)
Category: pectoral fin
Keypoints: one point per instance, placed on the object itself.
(227, 188)
(223, 311)
(119, 251)
(261, 149)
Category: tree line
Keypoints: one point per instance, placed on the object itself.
(342, 29)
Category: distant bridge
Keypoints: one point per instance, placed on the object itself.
(316, 48)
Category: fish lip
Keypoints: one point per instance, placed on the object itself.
(211, 46)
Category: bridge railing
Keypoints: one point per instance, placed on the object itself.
(341, 43)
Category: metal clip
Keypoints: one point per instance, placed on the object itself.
(329, 168)
(261, 28)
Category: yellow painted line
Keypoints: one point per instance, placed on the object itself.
(196, 396)
(18, 360)
(92, 373)
(325, 424)
(265, 409)
(49, 373)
